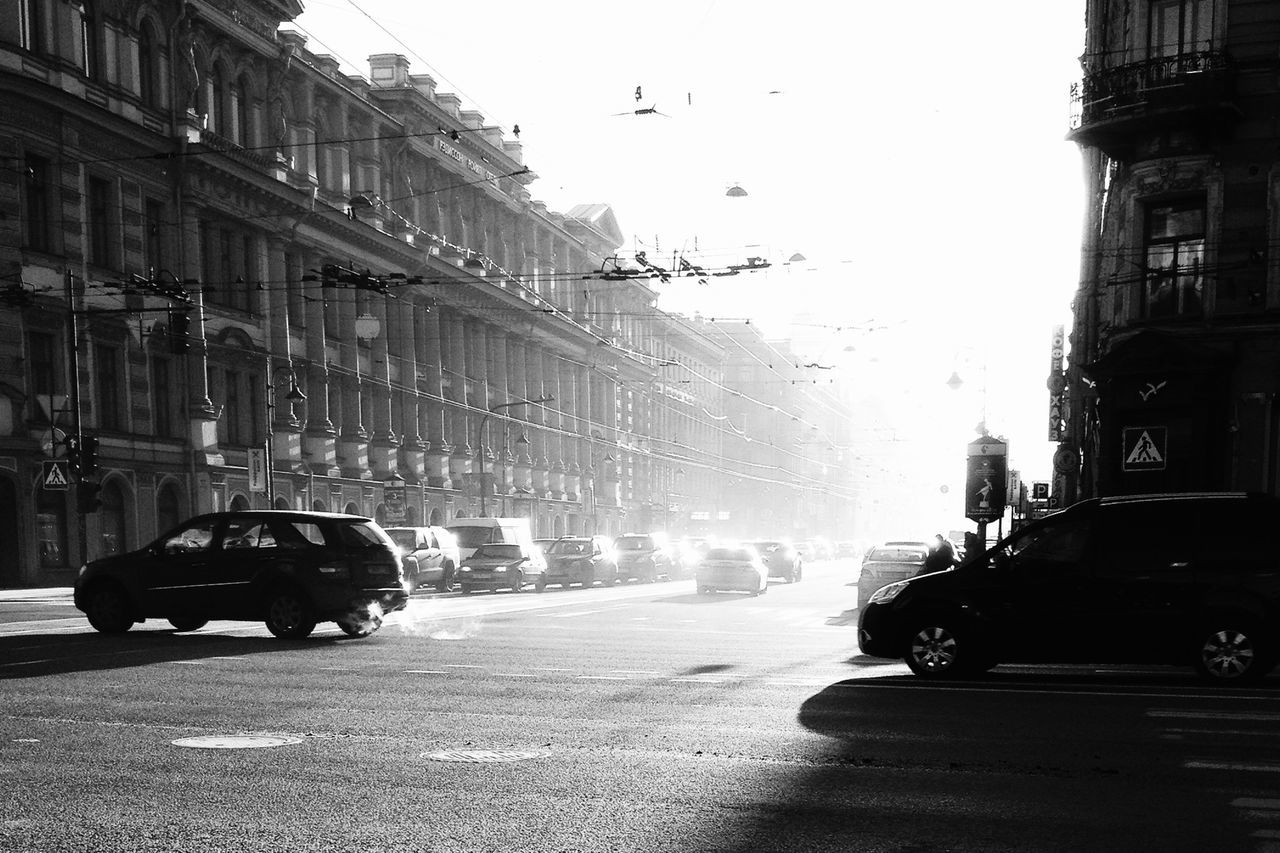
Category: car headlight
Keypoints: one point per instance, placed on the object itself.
(499, 568)
(885, 594)
(465, 569)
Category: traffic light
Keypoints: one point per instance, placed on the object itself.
(88, 455)
(73, 454)
(179, 330)
(88, 496)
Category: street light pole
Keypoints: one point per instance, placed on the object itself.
(480, 441)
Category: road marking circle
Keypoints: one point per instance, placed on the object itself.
(235, 741)
(484, 756)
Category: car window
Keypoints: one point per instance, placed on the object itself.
(730, 554)
(1051, 550)
(243, 533)
(296, 534)
(564, 547)
(1147, 537)
(362, 534)
(193, 539)
(633, 543)
(404, 537)
(897, 555)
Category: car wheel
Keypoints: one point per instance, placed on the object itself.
(1233, 651)
(108, 609)
(936, 650)
(705, 590)
(446, 579)
(466, 589)
(188, 623)
(540, 585)
(517, 582)
(289, 614)
(355, 626)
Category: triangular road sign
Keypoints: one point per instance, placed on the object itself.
(1144, 448)
(55, 475)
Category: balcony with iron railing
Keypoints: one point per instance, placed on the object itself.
(1111, 107)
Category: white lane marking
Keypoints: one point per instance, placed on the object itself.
(1224, 765)
(1255, 803)
(579, 613)
(551, 669)
(427, 671)
(1243, 732)
(185, 662)
(636, 671)
(1211, 715)
(462, 666)
(79, 619)
(699, 679)
(227, 657)
(603, 678)
(514, 675)
(337, 669)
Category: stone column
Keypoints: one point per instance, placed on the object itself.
(431, 406)
(453, 326)
(383, 440)
(322, 388)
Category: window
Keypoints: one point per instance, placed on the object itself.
(240, 114)
(1180, 26)
(1174, 246)
(45, 370)
(36, 203)
(100, 224)
(153, 235)
(294, 296)
(86, 38)
(233, 409)
(148, 66)
(216, 117)
(228, 265)
(31, 25)
(108, 369)
(164, 398)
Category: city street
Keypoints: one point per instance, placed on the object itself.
(638, 717)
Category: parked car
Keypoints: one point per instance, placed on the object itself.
(888, 564)
(581, 560)
(429, 556)
(1187, 578)
(644, 556)
(738, 568)
(780, 558)
(503, 565)
(289, 569)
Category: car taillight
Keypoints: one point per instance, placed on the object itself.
(334, 571)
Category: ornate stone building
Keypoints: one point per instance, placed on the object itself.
(257, 281)
(1174, 362)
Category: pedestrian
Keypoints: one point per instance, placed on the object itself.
(940, 558)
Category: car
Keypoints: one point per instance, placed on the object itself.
(644, 556)
(288, 569)
(429, 554)
(886, 564)
(471, 532)
(503, 565)
(780, 558)
(846, 548)
(1150, 579)
(581, 560)
(732, 568)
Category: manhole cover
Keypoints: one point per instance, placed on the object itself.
(484, 756)
(235, 741)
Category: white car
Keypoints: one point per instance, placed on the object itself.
(737, 568)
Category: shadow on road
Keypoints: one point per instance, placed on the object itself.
(699, 598)
(35, 655)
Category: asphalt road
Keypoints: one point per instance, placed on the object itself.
(635, 718)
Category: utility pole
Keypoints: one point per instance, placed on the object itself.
(77, 429)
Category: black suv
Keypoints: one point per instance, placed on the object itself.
(288, 569)
(1178, 579)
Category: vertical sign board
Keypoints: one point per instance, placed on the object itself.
(986, 480)
(393, 502)
(1057, 384)
(257, 469)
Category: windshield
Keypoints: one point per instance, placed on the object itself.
(634, 543)
(499, 552)
(472, 537)
(363, 534)
(569, 547)
(738, 554)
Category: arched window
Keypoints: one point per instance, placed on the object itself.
(319, 506)
(320, 155)
(169, 511)
(148, 65)
(352, 509)
(240, 114)
(239, 503)
(114, 521)
(216, 108)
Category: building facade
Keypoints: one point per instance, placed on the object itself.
(1174, 360)
(252, 280)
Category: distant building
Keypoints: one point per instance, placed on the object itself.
(1174, 362)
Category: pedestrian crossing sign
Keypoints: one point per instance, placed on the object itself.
(55, 475)
(1145, 448)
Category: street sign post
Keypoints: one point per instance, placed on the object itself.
(393, 502)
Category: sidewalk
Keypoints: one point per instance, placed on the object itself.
(36, 594)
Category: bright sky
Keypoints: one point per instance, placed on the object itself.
(914, 154)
